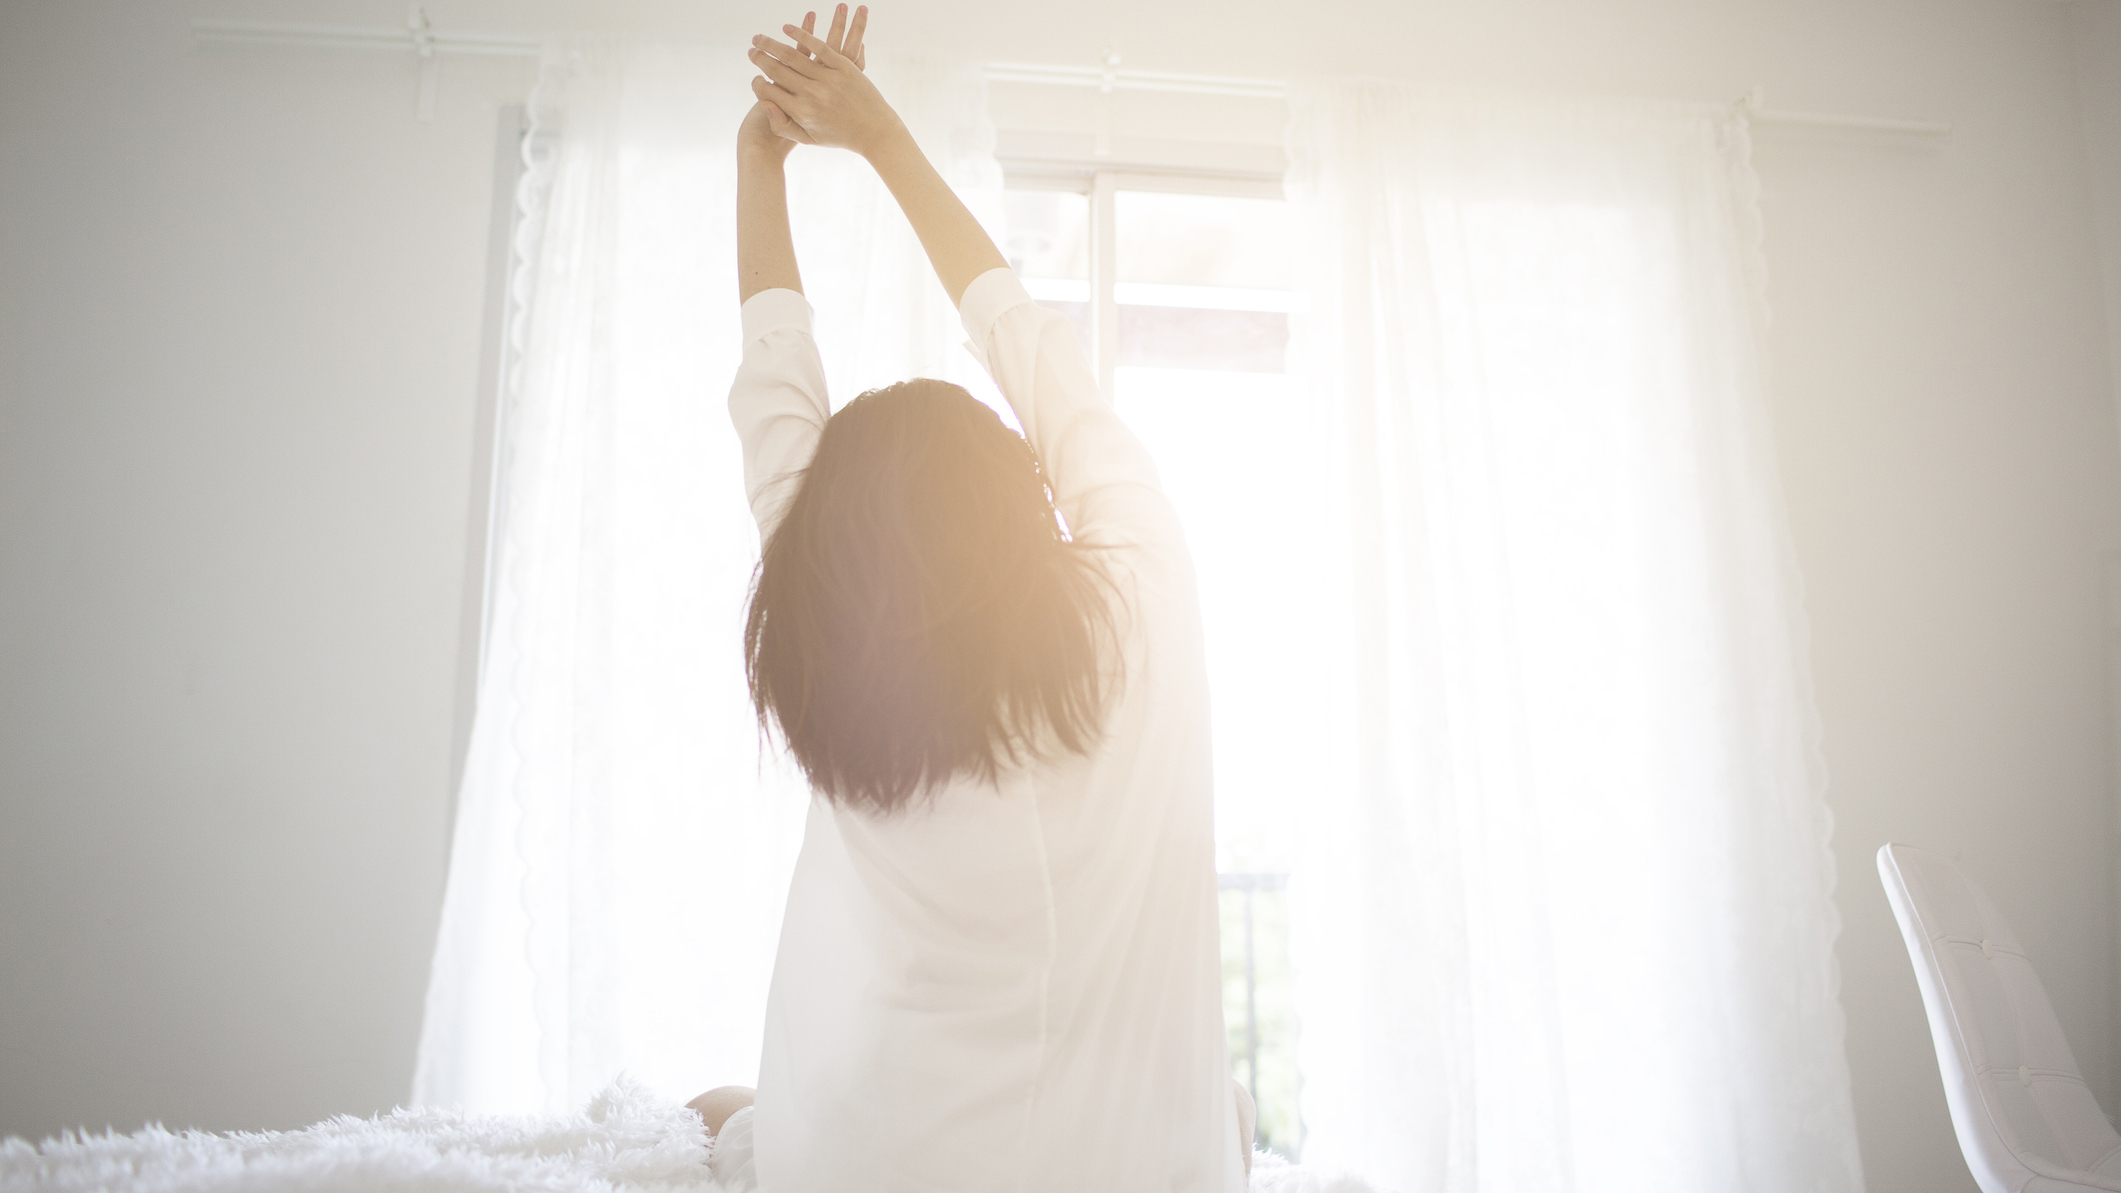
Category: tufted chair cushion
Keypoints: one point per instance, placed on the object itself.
(2025, 1119)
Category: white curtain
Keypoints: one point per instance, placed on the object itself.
(1564, 920)
(622, 847)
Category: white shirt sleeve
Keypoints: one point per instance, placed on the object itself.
(1103, 479)
(777, 400)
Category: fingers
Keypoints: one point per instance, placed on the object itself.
(782, 126)
(853, 48)
(782, 74)
(838, 33)
(826, 56)
(810, 22)
(773, 96)
(784, 64)
(789, 56)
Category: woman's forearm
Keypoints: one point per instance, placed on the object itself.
(957, 246)
(765, 251)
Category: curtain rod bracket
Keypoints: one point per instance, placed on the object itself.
(423, 44)
(423, 30)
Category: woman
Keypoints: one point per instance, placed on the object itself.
(999, 966)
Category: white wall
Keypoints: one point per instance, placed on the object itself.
(2095, 36)
(239, 314)
(240, 310)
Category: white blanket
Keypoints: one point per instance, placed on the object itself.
(626, 1139)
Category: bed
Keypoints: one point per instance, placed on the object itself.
(627, 1138)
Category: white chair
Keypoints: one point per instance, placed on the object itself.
(2025, 1119)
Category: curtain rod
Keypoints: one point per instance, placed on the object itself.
(1754, 103)
(423, 39)
(417, 36)
(1110, 78)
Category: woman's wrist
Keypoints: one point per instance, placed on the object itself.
(887, 143)
(753, 156)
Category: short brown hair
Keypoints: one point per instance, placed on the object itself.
(918, 611)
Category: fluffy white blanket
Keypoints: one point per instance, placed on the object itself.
(627, 1139)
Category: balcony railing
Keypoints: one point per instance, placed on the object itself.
(1251, 885)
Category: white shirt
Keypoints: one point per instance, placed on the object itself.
(1019, 988)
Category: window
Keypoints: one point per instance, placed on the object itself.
(1182, 289)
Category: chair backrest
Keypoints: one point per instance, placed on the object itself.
(2018, 1102)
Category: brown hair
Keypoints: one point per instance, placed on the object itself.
(918, 612)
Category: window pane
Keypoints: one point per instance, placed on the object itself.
(1182, 338)
(1204, 282)
(1233, 452)
(1236, 459)
(1204, 294)
(1049, 247)
(1049, 235)
(1205, 240)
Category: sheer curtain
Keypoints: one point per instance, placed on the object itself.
(1564, 920)
(622, 847)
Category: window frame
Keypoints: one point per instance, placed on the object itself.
(1101, 184)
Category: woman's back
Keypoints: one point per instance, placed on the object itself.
(1013, 984)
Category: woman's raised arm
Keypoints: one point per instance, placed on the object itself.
(1103, 481)
(777, 400)
(765, 250)
(814, 94)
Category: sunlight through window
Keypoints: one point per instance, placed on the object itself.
(1204, 288)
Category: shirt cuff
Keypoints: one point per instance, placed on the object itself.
(773, 310)
(985, 300)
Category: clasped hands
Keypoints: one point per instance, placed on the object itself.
(814, 92)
